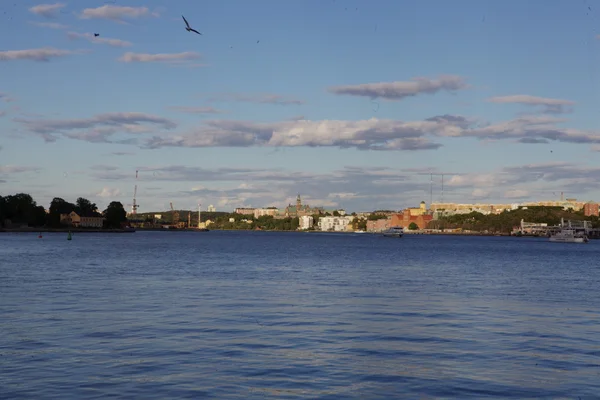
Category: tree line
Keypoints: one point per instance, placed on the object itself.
(21, 209)
(505, 221)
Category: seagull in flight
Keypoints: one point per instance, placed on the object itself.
(188, 28)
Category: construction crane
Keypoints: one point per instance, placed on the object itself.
(175, 215)
(135, 206)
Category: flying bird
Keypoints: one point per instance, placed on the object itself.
(96, 34)
(188, 28)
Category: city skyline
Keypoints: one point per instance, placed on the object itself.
(352, 104)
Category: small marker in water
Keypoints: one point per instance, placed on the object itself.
(40, 235)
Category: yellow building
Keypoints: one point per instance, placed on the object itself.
(77, 221)
(416, 211)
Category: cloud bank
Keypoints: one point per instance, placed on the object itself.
(549, 105)
(115, 13)
(97, 129)
(47, 10)
(98, 40)
(402, 89)
(41, 54)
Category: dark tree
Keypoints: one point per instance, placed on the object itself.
(114, 215)
(58, 206)
(86, 208)
(413, 227)
(22, 209)
(2, 211)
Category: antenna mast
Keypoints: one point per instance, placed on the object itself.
(199, 226)
(430, 189)
(135, 206)
(442, 188)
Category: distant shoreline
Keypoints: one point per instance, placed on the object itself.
(95, 230)
(64, 230)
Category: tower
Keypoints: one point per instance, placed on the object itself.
(135, 206)
(298, 203)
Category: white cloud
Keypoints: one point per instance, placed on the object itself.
(115, 13)
(260, 98)
(402, 89)
(98, 40)
(17, 169)
(368, 134)
(47, 10)
(41, 54)
(99, 128)
(516, 194)
(197, 110)
(173, 58)
(107, 192)
(550, 106)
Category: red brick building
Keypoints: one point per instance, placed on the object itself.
(404, 219)
(590, 209)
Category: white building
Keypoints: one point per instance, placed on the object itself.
(306, 222)
(211, 208)
(337, 224)
(259, 212)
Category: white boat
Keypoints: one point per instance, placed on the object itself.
(569, 236)
(394, 231)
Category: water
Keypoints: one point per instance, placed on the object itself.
(254, 315)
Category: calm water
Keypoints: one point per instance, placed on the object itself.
(295, 315)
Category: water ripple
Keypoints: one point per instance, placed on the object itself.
(255, 315)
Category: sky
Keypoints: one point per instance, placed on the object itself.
(352, 104)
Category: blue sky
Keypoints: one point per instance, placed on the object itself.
(350, 103)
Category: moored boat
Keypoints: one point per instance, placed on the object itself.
(394, 231)
(569, 236)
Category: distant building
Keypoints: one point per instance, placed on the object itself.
(378, 225)
(337, 224)
(259, 212)
(245, 211)
(299, 209)
(75, 220)
(405, 218)
(211, 208)
(590, 209)
(306, 222)
(422, 209)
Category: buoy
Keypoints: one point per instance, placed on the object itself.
(69, 236)
(40, 235)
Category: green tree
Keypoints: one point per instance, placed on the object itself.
(413, 227)
(114, 215)
(336, 213)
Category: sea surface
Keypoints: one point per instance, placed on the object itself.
(253, 315)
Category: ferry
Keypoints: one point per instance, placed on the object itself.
(394, 231)
(569, 236)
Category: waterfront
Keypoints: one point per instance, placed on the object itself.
(237, 314)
